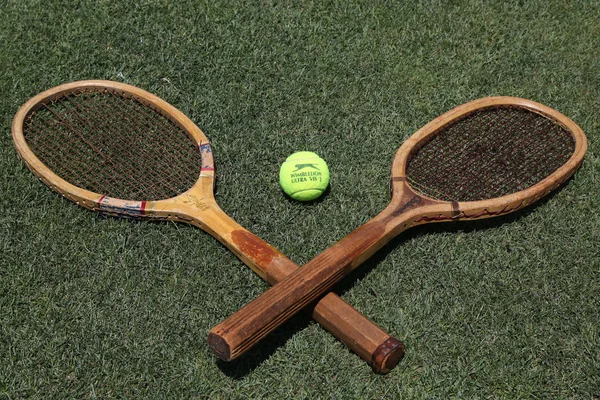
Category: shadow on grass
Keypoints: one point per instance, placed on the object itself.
(240, 367)
(443, 227)
(318, 200)
(246, 363)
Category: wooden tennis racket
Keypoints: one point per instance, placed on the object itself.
(122, 151)
(485, 158)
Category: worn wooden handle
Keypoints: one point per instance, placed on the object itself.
(360, 334)
(246, 327)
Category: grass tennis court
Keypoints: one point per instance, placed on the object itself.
(96, 307)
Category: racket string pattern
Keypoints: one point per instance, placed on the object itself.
(488, 154)
(80, 136)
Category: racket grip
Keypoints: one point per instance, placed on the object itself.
(366, 339)
(380, 350)
(243, 329)
(359, 333)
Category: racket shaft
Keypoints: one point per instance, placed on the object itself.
(359, 333)
(254, 321)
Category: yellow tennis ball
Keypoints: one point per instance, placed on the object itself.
(304, 176)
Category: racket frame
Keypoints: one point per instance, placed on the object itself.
(407, 208)
(197, 206)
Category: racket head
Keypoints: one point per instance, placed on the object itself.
(531, 170)
(54, 115)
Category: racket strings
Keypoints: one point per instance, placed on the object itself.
(144, 119)
(114, 145)
(431, 191)
(489, 153)
(79, 122)
(57, 128)
(129, 145)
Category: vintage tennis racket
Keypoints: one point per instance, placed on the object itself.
(120, 150)
(485, 158)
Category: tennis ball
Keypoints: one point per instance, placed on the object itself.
(304, 176)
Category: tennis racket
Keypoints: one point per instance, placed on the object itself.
(485, 158)
(119, 150)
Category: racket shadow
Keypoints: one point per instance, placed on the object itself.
(464, 226)
(253, 358)
(240, 367)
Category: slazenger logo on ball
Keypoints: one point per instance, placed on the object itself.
(302, 166)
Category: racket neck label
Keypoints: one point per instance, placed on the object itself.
(208, 168)
(123, 208)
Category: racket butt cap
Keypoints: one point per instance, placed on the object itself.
(387, 355)
(219, 346)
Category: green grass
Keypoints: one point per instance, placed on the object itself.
(94, 307)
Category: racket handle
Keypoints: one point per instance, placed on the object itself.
(243, 329)
(366, 339)
(381, 351)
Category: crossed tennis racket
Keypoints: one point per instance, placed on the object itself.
(119, 150)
